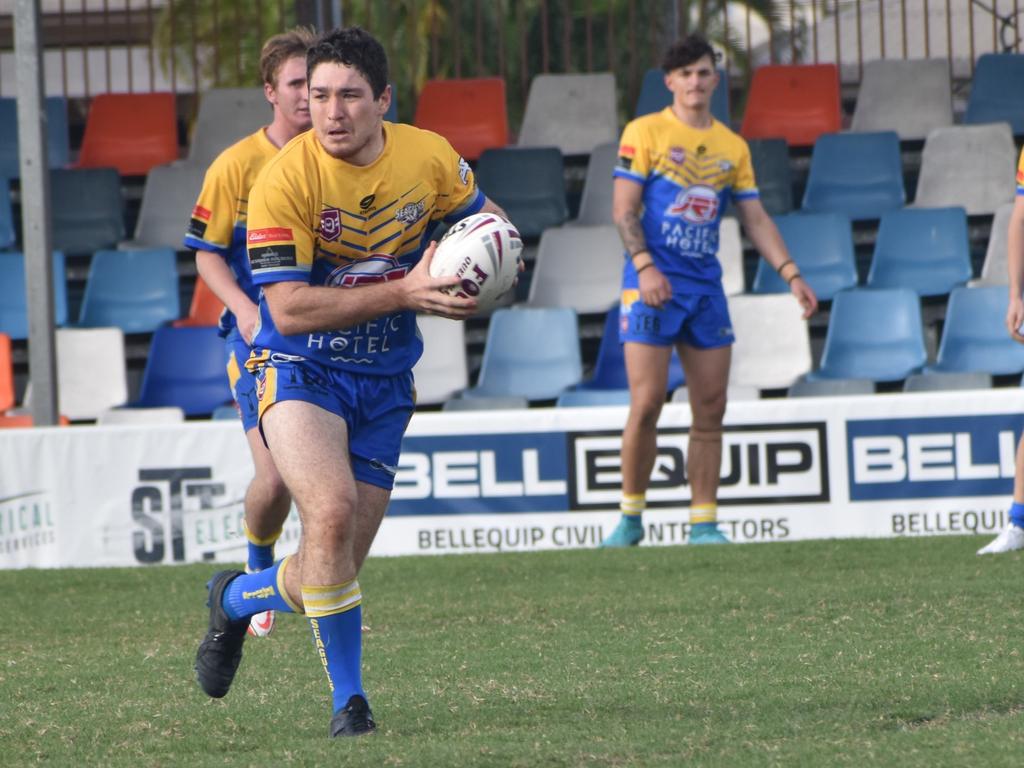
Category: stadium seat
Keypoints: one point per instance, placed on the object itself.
(974, 336)
(577, 267)
(821, 244)
(470, 113)
(225, 116)
(23, 420)
(857, 174)
(87, 209)
(596, 199)
(91, 372)
(610, 366)
(141, 416)
(226, 413)
(205, 309)
(185, 368)
(498, 403)
(730, 254)
(770, 158)
(528, 183)
(57, 142)
(441, 372)
(539, 370)
(576, 398)
(13, 299)
(131, 132)
(911, 97)
(6, 374)
(924, 249)
(734, 393)
(831, 387)
(137, 291)
(994, 268)
(654, 96)
(773, 343)
(971, 166)
(168, 196)
(797, 102)
(996, 95)
(873, 334)
(572, 112)
(932, 381)
(7, 234)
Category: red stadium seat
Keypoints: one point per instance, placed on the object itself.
(205, 308)
(6, 374)
(25, 420)
(470, 113)
(794, 102)
(131, 132)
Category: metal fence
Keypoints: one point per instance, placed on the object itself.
(187, 46)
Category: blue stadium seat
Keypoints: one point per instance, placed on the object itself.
(185, 368)
(821, 244)
(528, 183)
(974, 336)
(87, 209)
(57, 143)
(996, 95)
(575, 398)
(7, 233)
(924, 249)
(873, 334)
(137, 291)
(859, 174)
(532, 352)
(770, 158)
(610, 367)
(654, 96)
(13, 300)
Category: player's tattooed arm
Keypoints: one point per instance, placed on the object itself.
(631, 232)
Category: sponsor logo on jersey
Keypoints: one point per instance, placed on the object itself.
(411, 213)
(272, 256)
(464, 170)
(330, 224)
(1020, 178)
(725, 166)
(366, 202)
(376, 268)
(697, 205)
(197, 223)
(270, 234)
(677, 155)
(201, 213)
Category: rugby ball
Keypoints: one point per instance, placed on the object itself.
(483, 251)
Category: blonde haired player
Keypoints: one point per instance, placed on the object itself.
(217, 232)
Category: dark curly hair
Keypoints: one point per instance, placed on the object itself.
(353, 47)
(685, 52)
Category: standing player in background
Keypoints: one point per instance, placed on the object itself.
(217, 233)
(338, 223)
(1012, 537)
(676, 172)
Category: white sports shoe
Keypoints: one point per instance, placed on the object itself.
(262, 624)
(1010, 540)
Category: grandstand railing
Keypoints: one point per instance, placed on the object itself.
(187, 46)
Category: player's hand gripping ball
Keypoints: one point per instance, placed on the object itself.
(483, 251)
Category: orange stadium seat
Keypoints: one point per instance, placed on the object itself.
(131, 132)
(205, 308)
(25, 420)
(470, 113)
(6, 374)
(796, 102)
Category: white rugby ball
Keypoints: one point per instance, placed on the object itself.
(483, 251)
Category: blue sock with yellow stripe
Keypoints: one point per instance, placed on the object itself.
(254, 593)
(336, 618)
(261, 551)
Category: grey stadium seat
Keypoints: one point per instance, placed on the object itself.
(971, 166)
(596, 201)
(911, 97)
(225, 116)
(773, 343)
(994, 268)
(170, 193)
(441, 373)
(572, 112)
(577, 267)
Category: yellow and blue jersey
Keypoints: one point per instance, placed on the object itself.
(319, 220)
(689, 176)
(218, 221)
(1020, 174)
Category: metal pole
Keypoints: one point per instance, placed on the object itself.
(35, 211)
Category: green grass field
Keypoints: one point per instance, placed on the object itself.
(861, 653)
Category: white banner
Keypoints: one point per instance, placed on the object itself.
(887, 465)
